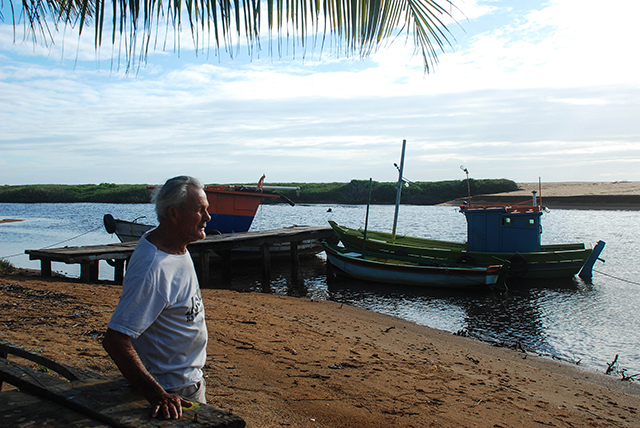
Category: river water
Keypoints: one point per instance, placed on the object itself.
(585, 323)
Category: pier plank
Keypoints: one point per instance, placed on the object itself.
(111, 402)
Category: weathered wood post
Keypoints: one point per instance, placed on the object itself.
(118, 276)
(225, 255)
(204, 258)
(295, 261)
(45, 267)
(89, 271)
(266, 264)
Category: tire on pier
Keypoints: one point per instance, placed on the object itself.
(519, 266)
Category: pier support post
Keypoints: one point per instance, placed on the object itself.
(295, 261)
(266, 264)
(89, 271)
(203, 268)
(45, 267)
(225, 255)
(118, 276)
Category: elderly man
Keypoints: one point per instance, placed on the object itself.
(157, 335)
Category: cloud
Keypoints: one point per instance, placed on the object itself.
(517, 98)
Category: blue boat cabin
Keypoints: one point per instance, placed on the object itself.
(503, 230)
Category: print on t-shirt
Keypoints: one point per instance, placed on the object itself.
(196, 307)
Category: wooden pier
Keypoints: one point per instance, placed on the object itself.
(116, 254)
(84, 398)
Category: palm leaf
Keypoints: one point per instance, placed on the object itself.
(353, 26)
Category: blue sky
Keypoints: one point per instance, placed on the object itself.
(530, 89)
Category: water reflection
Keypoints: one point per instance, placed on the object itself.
(519, 316)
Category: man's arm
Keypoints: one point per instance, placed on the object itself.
(120, 349)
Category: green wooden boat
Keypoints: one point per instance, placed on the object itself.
(547, 261)
(505, 234)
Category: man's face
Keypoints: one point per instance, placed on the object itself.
(193, 217)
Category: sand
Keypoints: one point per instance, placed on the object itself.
(579, 188)
(617, 195)
(291, 362)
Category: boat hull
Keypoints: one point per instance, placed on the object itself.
(553, 261)
(392, 271)
(232, 210)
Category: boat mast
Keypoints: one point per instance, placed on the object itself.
(540, 192)
(366, 219)
(399, 191)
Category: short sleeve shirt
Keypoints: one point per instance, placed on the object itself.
(161, 310)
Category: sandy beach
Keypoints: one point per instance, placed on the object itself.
(291, 362)
(579, 188)
(615, 195)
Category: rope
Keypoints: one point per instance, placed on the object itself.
(57, 243)
(615, 277)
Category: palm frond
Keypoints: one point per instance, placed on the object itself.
(353, 26)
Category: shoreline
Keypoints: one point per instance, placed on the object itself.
(619, 195)
(582, 202)
(616, 195)
(287, 361)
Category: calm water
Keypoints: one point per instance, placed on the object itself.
(571, 320)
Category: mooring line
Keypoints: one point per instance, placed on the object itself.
(615, 277)
(71, 239)
(57, 243)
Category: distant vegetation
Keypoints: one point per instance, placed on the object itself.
(104, 192)
(354, 192)
(417, 193)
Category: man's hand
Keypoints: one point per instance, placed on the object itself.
(168, 406)
(119, 347)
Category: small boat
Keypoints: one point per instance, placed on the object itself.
(232, 209)
(403, 272)
(126, 231)
(496, 234)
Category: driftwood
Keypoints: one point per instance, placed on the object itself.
(612, 366)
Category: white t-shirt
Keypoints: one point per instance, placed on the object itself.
(161, 310)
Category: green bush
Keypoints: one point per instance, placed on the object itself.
(6, 266)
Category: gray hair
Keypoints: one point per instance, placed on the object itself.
(173, 194)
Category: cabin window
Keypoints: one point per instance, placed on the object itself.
(506, 221)
(531, 222)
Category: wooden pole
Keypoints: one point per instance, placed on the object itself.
(225, 255)
(399, 190)
(295, 261)
(89, 271)
(366, 219)
(45, 267)
(118, 275)
(203, 265)
(266, 264)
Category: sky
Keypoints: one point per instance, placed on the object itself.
(528, 90)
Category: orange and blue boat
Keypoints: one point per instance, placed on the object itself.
(232, 209)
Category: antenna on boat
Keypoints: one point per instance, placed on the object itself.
(540, 192)
(466, 171)
(399, 191)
